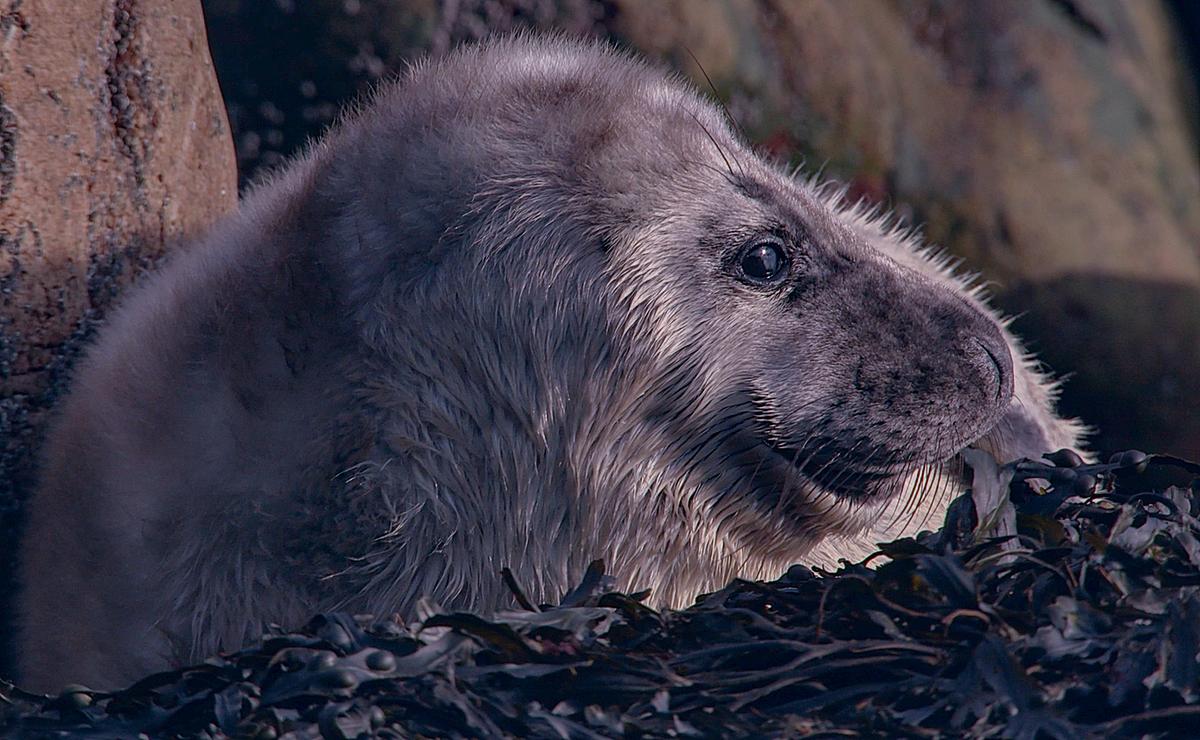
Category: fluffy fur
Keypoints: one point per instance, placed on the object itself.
(500, 318)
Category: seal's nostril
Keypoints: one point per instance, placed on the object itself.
(1000, 368)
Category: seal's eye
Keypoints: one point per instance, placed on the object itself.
(763, 262)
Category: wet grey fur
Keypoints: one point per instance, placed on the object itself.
(497, 319)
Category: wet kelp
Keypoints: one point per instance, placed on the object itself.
(1059, 601)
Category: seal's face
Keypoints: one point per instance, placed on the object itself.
(831, 372)
(858, 370)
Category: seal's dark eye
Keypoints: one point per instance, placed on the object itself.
(763, 262)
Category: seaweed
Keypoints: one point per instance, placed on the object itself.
(1059, 601)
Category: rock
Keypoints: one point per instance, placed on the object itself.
(1046, 144)
(113, 142)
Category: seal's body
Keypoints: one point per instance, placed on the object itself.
(535, 305)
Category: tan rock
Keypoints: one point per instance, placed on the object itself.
(113, 142)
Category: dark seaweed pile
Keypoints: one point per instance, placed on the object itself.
(1083, 622)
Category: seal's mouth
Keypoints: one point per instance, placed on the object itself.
(842, 474)
(858, 468)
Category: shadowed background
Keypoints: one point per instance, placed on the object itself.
(1051, 145)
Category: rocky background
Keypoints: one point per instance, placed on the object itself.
(1052, 145)
(114, 144)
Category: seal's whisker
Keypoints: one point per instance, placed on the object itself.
(713, 139)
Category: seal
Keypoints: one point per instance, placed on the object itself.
(535, 304)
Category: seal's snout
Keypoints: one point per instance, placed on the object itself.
(991, 358)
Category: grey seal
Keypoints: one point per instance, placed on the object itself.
(534, 304)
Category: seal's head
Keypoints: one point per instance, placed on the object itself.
(658, 322)
(535, 305)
